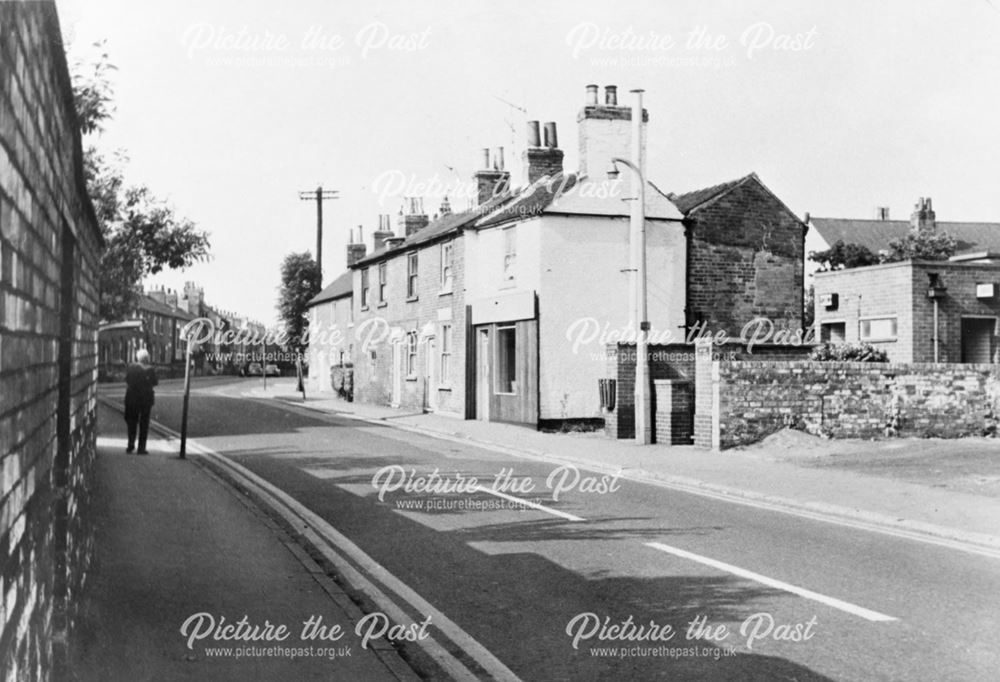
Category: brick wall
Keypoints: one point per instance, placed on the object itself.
(673, 362)
(745, 260)
(853, 400)
(49, 250)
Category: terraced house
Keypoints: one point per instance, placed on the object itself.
(503, 313)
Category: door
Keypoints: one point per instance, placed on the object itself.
(977, 339)
(483, 375)
(397, 373)
(431, 378)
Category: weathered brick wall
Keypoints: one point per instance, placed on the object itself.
(671, 362)
(745, 260)
(49, 250)
(854, 400)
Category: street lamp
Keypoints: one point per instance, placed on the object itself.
(637, 281)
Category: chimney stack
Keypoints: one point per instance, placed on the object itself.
(383, 232)
(881, 213)
(539, 161)
(445, 208)
(493, 180)
(413, 219)
(171, 298)
(923, 217)
(605, 132)
(356, 250)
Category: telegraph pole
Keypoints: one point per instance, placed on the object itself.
(319, 195)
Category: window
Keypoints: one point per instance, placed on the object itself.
(372, 365)
(411, 355)
(381, 281)
(878, 329)
(506, 360)
(364, 288)
(445, 354)
(509, 252)
(833, 332)
(447, 277)
(411, 275)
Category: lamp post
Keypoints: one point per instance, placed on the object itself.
(637, 288)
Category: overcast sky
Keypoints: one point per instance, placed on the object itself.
(230, 108)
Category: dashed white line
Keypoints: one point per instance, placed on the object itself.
(847, 607)
(533, 505)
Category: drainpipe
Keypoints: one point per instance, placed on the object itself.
(936, 331)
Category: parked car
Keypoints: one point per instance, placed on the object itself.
(254, 369)
(272, 370)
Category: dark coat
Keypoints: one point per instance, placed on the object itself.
(139, 381)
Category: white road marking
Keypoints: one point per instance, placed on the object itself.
(336, 547)
(853, 609)
(533, 505)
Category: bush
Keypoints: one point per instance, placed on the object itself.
(847, 352)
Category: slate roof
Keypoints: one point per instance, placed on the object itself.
(438, 228)
(150, 304)
(876, 234)
(689, 201)
(340, 287)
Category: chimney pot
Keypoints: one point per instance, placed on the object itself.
(591, 100)
(611, 95)
(534, 140)
(486, 158)
(500, 162)
(551, 141)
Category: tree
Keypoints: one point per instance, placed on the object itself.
(300, 281)
(841, 256)
(142, 234)
(922, 244)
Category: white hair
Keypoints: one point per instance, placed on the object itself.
(142, 356)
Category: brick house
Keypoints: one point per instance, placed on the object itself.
(541, 284)
(876, 233)
(50, 246)
(409, 313)
(331, 322)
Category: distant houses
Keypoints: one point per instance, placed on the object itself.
(503, 312)
(156, 326)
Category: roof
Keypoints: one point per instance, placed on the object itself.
(150, 304)
(576, 195)
(340, 287)
(876, 234)
(689, 201)
(440, 227)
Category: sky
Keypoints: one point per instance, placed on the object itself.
(228, 109)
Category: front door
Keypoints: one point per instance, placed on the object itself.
(431, 378)
(977, 339)
(483, 375)
(397, 373)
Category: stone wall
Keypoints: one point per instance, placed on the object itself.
(674, 363)
(849, 400)
(49, 251)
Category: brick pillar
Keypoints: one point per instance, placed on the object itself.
(672, 420)
(706, 398)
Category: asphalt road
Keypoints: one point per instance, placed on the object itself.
(799, 599)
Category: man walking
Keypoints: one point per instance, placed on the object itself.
(140, 378)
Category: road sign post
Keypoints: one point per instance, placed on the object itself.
(187, 393)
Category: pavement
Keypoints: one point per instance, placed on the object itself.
(172, 542)
(904, 508)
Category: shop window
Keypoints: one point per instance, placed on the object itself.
(878, 329)
(506, 360)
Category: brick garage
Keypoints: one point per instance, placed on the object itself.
(49, 250)
(844, 400)
(898, 292)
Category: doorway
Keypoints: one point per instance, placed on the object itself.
(483, 375)
(978, 339)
